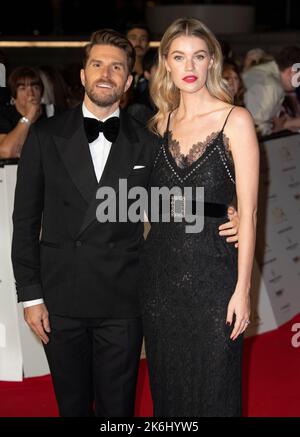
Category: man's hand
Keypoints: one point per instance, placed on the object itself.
(279, 123)
(230, 229)
(33, 109)
(37, 318)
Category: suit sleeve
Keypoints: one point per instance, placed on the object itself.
(27, 217)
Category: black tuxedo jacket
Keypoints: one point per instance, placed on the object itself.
(60, 252)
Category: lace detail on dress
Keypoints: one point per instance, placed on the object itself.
(196, 151)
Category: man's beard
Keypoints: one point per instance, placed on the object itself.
(104, 100)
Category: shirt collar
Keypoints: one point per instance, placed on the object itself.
(87, 113)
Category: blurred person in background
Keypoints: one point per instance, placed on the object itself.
(139, 36)
(143, 107)
(267, 86)
(55, 89)
(235, 82)
(255, 57)
(26, 89)
(75, 90)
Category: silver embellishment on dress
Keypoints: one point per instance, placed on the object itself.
(157, 155)
(178, 206)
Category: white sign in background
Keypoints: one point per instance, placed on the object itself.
(23, 354)
(11, 362)
(279, 235)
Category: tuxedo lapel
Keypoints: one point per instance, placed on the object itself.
(118, 166)
(73, 147)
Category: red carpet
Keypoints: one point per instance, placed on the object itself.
(271, 382)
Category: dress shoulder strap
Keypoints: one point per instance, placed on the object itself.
(166, 133)
(227, 118)
(168, 123)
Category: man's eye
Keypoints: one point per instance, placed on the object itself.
(96, 65)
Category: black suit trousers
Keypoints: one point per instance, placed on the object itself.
(94, 365)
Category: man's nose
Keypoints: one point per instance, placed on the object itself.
(105, 71)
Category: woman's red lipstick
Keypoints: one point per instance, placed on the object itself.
(190, 79)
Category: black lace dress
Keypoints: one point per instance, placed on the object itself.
(187, 282)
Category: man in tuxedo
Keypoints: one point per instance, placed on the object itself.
(77, 277)
(86, 272)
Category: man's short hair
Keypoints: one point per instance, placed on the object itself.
(112, 38)
(137, 25)
(287, 57)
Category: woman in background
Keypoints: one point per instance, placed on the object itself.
(235, 82)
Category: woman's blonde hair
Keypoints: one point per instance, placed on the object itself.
(164, 93)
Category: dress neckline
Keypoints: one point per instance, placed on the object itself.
(196, 150)
(204, 146)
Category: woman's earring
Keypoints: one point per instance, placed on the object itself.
(12, 101)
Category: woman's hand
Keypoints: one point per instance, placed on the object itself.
(239, 305)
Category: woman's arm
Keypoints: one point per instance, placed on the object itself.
(245, 152)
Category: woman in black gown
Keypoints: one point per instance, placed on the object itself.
(195, 286)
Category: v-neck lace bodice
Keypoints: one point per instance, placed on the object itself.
(196, 150)
(204, 163)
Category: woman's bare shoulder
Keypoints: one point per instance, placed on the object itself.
(239, 117)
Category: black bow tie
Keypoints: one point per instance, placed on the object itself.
(93, 127)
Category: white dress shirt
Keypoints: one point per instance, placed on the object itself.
(99, 149)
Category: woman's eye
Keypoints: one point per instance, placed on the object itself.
(200, 57)
(178, 58)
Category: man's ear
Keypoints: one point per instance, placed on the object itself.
(82, 77)
(128, 82)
